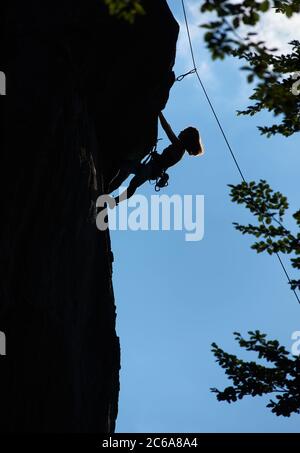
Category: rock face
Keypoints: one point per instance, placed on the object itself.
(83, 92)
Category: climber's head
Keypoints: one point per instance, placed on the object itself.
(191, 140)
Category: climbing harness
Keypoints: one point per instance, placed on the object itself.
(162, 180)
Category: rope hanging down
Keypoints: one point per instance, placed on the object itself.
(195, 71)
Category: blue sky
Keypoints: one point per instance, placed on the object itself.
(174, 298)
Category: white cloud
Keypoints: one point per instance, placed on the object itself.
(274, 28)
(278, 30)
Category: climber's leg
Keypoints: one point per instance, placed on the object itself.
(118, 180)
(127, 168)
(144, 174)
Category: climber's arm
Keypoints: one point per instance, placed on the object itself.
(173, 153)
(168, 130)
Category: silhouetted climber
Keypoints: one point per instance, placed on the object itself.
(155, 168)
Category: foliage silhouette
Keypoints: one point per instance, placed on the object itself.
(231, 33)
(276, 89)
(251, 378)
(125, 9)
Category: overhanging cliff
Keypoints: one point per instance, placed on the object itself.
(83, 92)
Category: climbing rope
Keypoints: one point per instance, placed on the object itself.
(195, 71)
